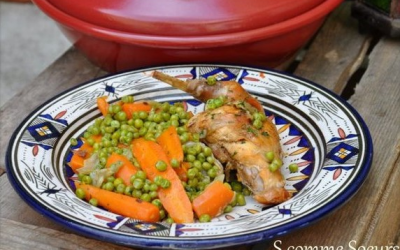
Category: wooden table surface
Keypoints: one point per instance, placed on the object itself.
(363, 67)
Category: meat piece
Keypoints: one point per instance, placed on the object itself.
(228, 130)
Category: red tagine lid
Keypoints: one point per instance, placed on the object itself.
(183, 17)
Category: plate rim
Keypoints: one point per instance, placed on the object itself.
(254, 237)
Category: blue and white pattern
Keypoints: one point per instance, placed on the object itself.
(318, 131)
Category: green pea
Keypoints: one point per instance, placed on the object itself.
(138, 184)
(218, 102)
(146, 187)
(211, 80)
(164, 183)
(193, 182)
(109, 186)
(204, 218)
(236, 186)
(153, 187)
(241, 201)
(228, 185)
(118, 181)
(115, 124)
(201, 186)
(80, 193)
(212, 172)
(273, 167)
(184, 137)
(259, 116)
(161, 166)
(174, 163)
(190, 158)
(91, 141)
(73, 141)
(192, 151)
(246, 191)
(153, 194)
(157, 202)
(157, 118)
(206, 166)
(142, 131)
(278, 162)
(87, 179)
(210, 159)
(174, 123)
(293, 168)
(157, 180)
(120, 116)
(257, 124)
(115, 108)
(270, 156)
(195, 137)
(94, 202)
(80, 176)
(142, 115)
(201, 157)
(197, 164)
(169, 220)
(127, 99)
(141, 175)
(145, 197)
(162, 214)
(182, 114)
(120, 188)
(138, 123)
(228, 209)
(210, 104)
(128, 190)
(136, 193)
(110, 179)
(180, 130)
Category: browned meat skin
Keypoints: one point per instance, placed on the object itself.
(228, 131)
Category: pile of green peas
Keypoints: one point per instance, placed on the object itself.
(204, 168)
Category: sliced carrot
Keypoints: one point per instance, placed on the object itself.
(213, 199)
(83, 153)
(76, 162)
(121, 204)
(126, 170)
(170, 142)
(85, 149)
(174, 198)
(130, 108)
(102, 105)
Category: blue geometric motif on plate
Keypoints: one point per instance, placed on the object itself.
(342, 153)
(43, 131)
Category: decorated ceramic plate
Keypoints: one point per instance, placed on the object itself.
(320, 132)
